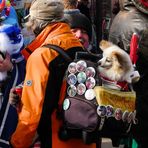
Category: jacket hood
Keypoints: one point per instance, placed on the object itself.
(125, 3)
(141, 5)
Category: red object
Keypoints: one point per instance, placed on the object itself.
(121, 84)
(144, 2)
(18, 90)
(7, 11)
(2, 5)
(133, 48)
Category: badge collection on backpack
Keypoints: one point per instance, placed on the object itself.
(81, 81)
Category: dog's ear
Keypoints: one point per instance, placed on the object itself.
(105, 44)
(120, 58)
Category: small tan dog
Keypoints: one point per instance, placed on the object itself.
(115, 66)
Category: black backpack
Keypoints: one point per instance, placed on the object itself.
(80, 119)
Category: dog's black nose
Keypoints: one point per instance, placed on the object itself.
(99, 63)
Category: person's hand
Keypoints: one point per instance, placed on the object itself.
(6, 64)
(15, 99)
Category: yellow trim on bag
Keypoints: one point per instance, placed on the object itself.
(116, 98)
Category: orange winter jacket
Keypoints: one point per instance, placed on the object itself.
(38, 86)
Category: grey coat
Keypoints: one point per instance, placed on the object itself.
(128, 21)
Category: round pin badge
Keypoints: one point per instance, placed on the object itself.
(90, 72)
(71, 79)
(81, 77)
(90, 94)
(72, 68)
(28, 83)
(71, 91)
(90, 82)
(125, 116)
(81, 66)
(66, 104)
(81, 88)
(109, 111)
(118, 114)
(101, 111)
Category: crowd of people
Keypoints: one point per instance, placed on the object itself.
(25, 30)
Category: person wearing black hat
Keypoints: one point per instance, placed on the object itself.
(82, 28)
(80, 25)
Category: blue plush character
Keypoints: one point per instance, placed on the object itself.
(11, 43)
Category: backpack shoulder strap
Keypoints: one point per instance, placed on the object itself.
(60, 51)
(44, 127)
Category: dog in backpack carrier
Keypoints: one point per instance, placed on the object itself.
(91, 111)
(115, 95)
(115, 66)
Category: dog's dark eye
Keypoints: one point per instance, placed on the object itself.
(108, 60)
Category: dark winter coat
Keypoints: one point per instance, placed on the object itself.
(8, 114)
(128, 21)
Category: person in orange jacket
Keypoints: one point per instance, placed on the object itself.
(43, 76)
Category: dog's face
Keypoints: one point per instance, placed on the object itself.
(106, 62)
(115, 64)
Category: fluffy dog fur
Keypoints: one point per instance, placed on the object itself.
(116, 64)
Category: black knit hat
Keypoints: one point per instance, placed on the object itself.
(78, 20)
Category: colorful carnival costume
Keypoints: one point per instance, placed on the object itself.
(11, 42)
